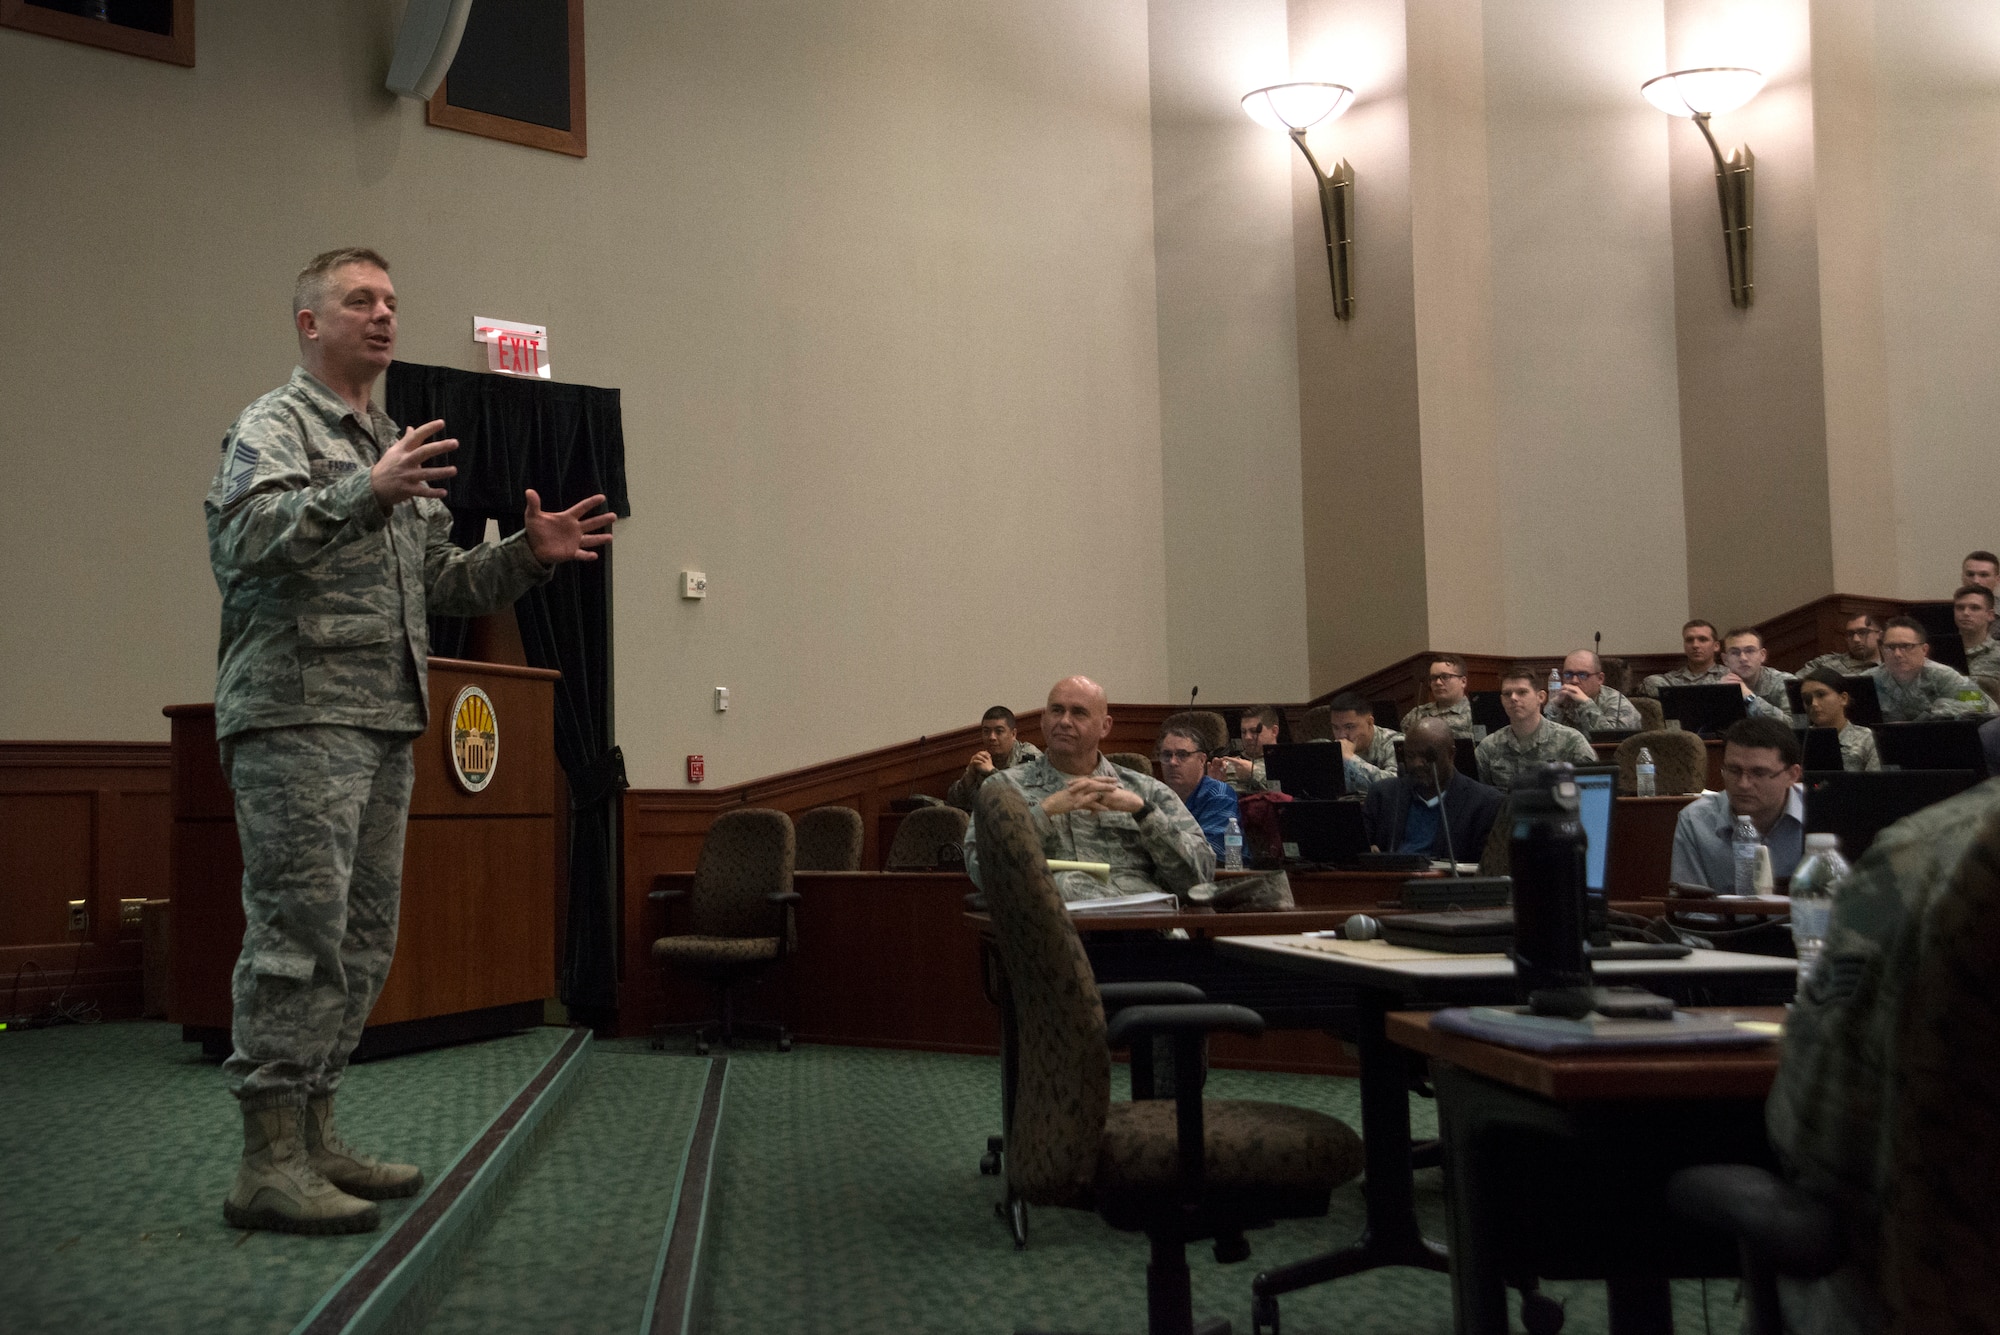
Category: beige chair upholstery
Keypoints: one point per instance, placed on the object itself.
(1242, 1165)
(1210, 727)
(1651, 717)
(1132, 760)
(1315, 725)
(739, 915)
(1680, 762)
(930, 838)
(829, 839)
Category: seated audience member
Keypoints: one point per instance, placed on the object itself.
(1972, 609)
(1182, 753)
(1448, 699)
(1764, 694)
(1258, 728)
(1981, 568)
(1430, 807)
(1760, 779)
(1699, 646)
(1003, 750)
(1911, 687)
(1863, 634)
(1529, 739)
(1833, 1105)
(1370, 750)
(1823, 691)
(1088, 810)
(1586, 703)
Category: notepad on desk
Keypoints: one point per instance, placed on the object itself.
(1514, 1027)
(1151, 901)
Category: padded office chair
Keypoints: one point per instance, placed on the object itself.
(1651, 717)
(1680, 762)
(929, 839)
(1315, 725)
(740, 921)
(1178, 1172)
(829, 839)
(1497, 858)
(1132, 760)
(1208, 726)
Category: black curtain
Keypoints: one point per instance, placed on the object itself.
(567, 443)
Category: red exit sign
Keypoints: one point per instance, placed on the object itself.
(513, 348)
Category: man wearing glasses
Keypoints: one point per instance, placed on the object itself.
(1760, 779)
(1585, 702)
(1447, 703)
(1764, 694)
(1911, 687)
(1698, 645)
(1863, 634)
(1183, 761)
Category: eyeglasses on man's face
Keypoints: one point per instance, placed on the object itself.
(1166, 757)
(1446, 676)
(1573, 674)
(1901, 646)
(1754, 773)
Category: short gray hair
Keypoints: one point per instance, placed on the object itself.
(310, 289)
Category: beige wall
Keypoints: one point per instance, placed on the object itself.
(1229, 374)
(876, 280)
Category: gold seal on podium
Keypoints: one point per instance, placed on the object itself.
(474, 739)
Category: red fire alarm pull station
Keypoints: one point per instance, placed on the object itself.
(697, 770)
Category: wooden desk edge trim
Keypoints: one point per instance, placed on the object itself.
(1600, 1077)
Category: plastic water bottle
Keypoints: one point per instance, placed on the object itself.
(1746, 843)
(1646, 775)
(1232, 846)
(1812, 897)
(1555, 682)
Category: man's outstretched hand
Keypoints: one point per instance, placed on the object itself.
(405, 470)
(566, 535)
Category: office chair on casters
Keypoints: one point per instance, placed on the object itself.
(928, 839)
(829, 839)
(740, 918)
(1179, 1171)
(1929, 1247)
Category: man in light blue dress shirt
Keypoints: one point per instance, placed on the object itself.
(1761, 769)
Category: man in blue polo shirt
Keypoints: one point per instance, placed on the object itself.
(1182, 754)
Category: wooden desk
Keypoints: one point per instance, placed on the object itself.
(1556, 1165)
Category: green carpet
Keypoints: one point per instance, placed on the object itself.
(848, 1198)
(118, 1141)
(573, 1246)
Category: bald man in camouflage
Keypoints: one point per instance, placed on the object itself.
(331, 545)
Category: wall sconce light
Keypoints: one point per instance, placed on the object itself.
(1295, 108)
(1697, 95)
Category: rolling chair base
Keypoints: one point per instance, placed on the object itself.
(709, 1032)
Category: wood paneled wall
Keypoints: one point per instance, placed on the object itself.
(78, 820)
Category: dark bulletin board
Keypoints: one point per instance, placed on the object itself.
(518, 75)
(155, 29)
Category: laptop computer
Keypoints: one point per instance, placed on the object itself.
(1934, 744)
(1322, 833)
(1486, 710)
(1857, 805)
(1822, 748)
(1310, 771)
(1706, 710)
(1946, 647)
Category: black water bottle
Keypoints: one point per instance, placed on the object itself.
(1548, 867)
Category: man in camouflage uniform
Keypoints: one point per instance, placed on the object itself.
(1911, 687)
(1833, 1103)
(1088, 810)
(1530, 738)
(1369, 748)
(1699, 645)
(1448, 701)
(1764, 693)
(1003, 750)
(1863, 634)
(1586, 703)
(1257, 728)
(330, 546)
(1972, 611)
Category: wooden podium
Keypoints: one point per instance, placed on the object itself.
(475, 952)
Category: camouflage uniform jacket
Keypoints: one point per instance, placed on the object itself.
(324, 597)
(1609, 711)
(1369, 766)
(1503, 755)
(1680, 676)
(1770, 689)
(1458, 716)
(1935, 692)
(1161, 848)
(1857, 748)
(1830, 1114)
(1985, 660)
(965, 785)
(1841, 663)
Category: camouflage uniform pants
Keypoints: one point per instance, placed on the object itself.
(320, 811)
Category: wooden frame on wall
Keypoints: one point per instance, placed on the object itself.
(176, 47)
(572, 141)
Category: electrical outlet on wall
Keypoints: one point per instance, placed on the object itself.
(79, 917)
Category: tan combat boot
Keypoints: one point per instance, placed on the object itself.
(353, 1172)
(278, 1189)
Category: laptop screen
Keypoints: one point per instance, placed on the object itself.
(1595, 790)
